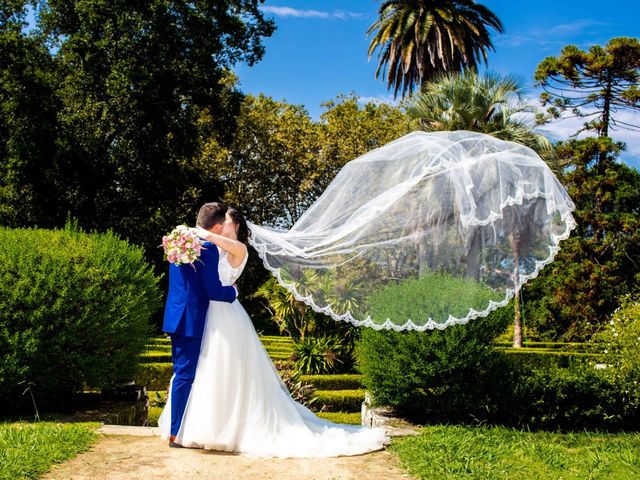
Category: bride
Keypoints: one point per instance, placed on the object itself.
(238, 402)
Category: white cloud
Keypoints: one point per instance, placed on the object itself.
(388, 99)
(558, 34)
(301, 13)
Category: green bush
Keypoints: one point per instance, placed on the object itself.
(75, 311)
(434, 295)
(618, 344)
(436, 373)
(567, 399)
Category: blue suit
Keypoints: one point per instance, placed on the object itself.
(184, 317)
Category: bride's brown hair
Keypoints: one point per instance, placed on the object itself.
(242, 229)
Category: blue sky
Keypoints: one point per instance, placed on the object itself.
(319, 49)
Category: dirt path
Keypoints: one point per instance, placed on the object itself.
(146, 458)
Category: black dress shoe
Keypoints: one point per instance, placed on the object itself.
(173, 444)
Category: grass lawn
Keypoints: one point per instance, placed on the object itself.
(27, 450)
(453, 452)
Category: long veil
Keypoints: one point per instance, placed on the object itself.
(450, 224)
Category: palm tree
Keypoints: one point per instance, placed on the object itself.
(490, 104)
(419, 39)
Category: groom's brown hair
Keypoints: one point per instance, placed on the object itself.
(210, 214)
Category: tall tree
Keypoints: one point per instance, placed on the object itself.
(350, 128)
(419, 39)
(131, 83)
(490, 104)
(271, 167)
(594, 84)
(28, 122)
(600, 262)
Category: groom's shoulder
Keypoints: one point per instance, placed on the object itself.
(208, 245)
(208, 249)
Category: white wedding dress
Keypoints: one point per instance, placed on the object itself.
(239, 403)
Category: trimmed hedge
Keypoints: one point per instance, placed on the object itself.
(540, 358)
(437, 371)
(154, 376)
(156, 357)
(75, 311)
(154, 415)
(568, 399)
(564, 346)
(342, 417)
(345, 381)
(339, 400)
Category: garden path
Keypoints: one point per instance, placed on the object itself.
(138, 453)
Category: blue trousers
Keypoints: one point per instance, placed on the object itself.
(184, 353)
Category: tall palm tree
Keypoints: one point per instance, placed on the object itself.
(490, 104)
(421, 38)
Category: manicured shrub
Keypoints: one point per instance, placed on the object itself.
(434, 295)
(546, 358)
(154, 416)
(343, 381)
(156, 357)
(339, 400)
(154, 376)
(351, 418)
(568, 399)
(75, 311)
(436, 373)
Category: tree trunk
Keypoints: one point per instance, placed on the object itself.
(517, 322)
(606, 118)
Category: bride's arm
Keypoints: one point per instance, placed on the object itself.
(235, 248)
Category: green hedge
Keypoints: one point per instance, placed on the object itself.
(564, 346)
(437, 371)
(339, 400)
(344, 381)
(156, 357)
(569, 399)
(350, 418)
(154, 376)
(540, 358)
(154, 415)
(75, 311)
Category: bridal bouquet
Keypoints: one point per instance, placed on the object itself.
(182, 246)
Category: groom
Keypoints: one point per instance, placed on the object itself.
(186, 309)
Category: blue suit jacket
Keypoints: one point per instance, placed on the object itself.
(190, 291)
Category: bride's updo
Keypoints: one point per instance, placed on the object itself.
(242, 229)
